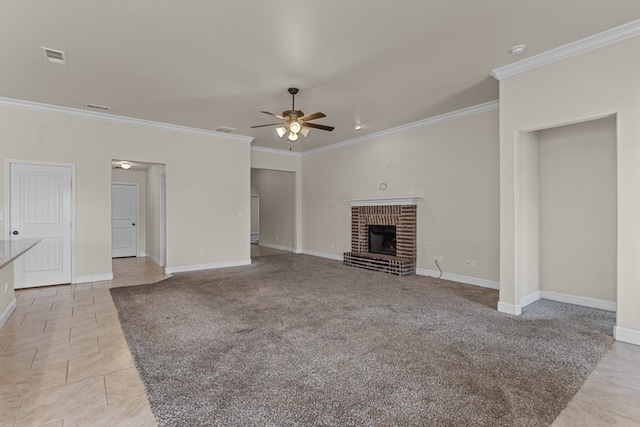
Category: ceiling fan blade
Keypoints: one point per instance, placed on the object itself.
(312, 116)
(274, 115)
(316, 126)
(270, 124)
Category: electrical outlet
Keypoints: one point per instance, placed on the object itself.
(276, 237)
(468, 263)
(200, 252)
(474, 263)
(6, 288)
(332, 246)
(440, 258)
(435, 257)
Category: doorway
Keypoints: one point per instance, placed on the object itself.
(124, 219)
(41, 207)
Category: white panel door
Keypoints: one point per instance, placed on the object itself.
(40, 202)
(124, 217)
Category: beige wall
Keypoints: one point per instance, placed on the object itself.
(594, 84)
(140, 178)
(528, 245)
(277, 208)
(578, 209)
(453, 165)
(152, 181)
(207, 185)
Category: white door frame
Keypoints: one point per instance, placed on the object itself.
(162, 219)
(137, 212)
(7, 202)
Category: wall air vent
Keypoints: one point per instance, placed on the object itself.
(97, 107)
(55, 56)
(225, 129)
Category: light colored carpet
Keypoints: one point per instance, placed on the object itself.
(295, 340)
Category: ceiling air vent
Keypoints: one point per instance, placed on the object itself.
(225, 129)
(97, 107)
(55, 56)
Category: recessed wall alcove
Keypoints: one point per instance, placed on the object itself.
(566, 214)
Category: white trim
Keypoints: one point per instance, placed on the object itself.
(613, 35)
(86, 278)
(507, 308)
(531, 298)
(7, 312)
(476, 281)
(153, 259)
(321, 254)
(272, 246)
(48, 108)
(631, 336)
(275, 151)
(578, 300)
(475, 109)
(209, 266)
(385, 201)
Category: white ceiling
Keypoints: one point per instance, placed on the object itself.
(206, 64)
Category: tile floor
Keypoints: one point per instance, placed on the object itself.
(64, 362)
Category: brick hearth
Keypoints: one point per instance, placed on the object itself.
(404, 217)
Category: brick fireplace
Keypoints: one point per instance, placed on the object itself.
(400, 212)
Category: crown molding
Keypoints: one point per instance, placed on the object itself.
(75, 112)
(613, 35)
(275, 151)
(480, 108)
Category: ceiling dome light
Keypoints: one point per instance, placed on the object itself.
(517, 49)
(357, 126)
(293, 136)
(294, 127)
(125, 165)
(281, 131)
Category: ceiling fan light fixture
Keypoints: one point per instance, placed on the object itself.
(281, 131)
(294, 127)
(293, 136)
(304, 131)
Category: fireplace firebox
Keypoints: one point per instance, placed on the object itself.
(382, 239)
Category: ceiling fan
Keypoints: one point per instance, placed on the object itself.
(294, 121)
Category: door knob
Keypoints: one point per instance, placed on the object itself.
(134, 224)
(16, 232)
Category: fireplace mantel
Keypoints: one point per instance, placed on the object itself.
(386, 201)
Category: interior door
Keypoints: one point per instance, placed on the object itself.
(124, 217)
(40, 203)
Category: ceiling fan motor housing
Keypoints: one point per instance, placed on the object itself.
(292, 114)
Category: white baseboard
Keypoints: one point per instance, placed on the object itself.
(153, 259)
(531, 298)
(272, 246)
(93, 278)
(322, 254)
(578, 300)
(507, 308)
(631, 336)
(7, 312)
(485, 283)
(209, 266)
(142, 255)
